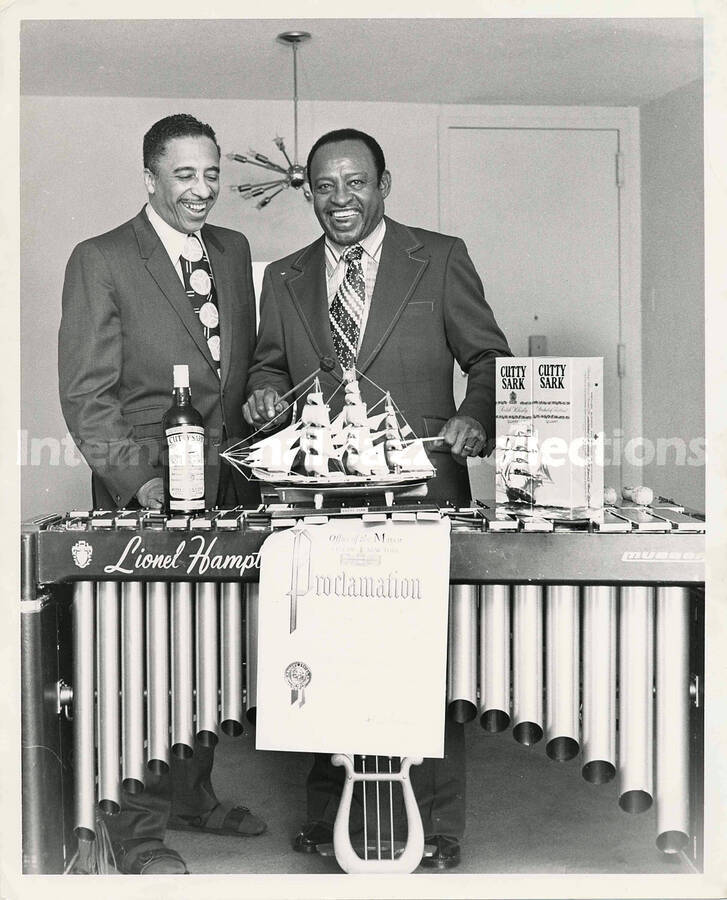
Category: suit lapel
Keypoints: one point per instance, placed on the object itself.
(307, 288)
(165, 275)
(398, 275)
(225, 296)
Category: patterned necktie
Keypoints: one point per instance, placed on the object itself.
(200, 288)
(347, 308)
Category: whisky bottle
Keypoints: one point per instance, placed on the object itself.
(183, 428)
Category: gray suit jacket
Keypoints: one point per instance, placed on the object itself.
(428, 309)
(126, 321)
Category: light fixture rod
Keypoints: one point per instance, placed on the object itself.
(270, 166)
(295, 103)
(246, 188)
(292, 39)
(265, 200)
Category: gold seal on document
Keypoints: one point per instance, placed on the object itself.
(298, 675)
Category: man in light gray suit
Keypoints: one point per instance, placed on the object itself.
(130, 312)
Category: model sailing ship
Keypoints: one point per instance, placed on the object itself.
(360, 450)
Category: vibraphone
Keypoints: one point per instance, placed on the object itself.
(138, 634)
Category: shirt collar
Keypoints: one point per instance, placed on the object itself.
(172, 239)
(371, 244)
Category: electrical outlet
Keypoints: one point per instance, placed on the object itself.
(537, 345)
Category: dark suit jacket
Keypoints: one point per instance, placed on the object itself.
(428, 308)
(126, 321)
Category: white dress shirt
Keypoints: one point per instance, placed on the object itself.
(172, 239)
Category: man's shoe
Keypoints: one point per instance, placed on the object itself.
(224, 819)
(152, 857)
(311, 836)
(446, 853)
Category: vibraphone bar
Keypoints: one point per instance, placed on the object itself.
(582, 634)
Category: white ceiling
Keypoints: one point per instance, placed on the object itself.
(607, 62)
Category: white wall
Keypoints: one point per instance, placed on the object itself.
(672, 215)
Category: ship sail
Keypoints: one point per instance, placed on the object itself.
(276, 452)
(360, 456)
(357, 446)
(315, 442)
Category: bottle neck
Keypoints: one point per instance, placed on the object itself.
(182, 396)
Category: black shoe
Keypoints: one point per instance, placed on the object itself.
(446, 852)
(311, 836)
(149, 857)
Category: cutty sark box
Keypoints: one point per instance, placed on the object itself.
(549, 429)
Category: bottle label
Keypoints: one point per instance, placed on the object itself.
(186, 466)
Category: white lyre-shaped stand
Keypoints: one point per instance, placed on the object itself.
(375, 862)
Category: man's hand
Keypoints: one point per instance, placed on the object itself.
(262, 406)
(465, 437)
(151, 494)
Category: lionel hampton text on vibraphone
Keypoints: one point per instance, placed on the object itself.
(589, 637)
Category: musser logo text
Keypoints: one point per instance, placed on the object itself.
(661, 556)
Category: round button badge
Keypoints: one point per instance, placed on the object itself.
(214, 344)
(192, 249)
(208, 315)
(201, 282)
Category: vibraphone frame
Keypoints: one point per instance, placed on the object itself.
(49, 572)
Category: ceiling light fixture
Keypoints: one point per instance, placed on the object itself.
(294, 175)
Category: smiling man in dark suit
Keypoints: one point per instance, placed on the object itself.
(400, 304)
(163, 288)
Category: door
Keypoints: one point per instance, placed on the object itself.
(539, 210)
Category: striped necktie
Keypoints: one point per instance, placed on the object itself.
(200, 288)
(347, 308)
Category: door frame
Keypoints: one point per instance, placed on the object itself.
(625, 122)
